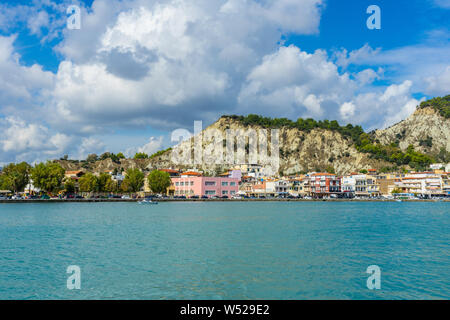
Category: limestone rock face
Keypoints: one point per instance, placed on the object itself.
(422, 124)
(299, 151)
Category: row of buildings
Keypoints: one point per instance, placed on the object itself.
(250, 180)
(253, 183)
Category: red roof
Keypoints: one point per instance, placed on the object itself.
(191, 173)
(169, 170)
(323, 174)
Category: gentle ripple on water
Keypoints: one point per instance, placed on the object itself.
(216, 250)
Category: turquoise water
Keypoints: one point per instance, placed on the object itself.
(216, 250)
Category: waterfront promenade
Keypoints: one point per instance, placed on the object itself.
(216, 200)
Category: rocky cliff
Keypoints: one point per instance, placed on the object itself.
(426, 129)
(308, 145)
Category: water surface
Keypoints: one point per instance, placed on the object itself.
(219, 250)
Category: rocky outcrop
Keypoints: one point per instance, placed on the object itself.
(301, 151)
(425, 129)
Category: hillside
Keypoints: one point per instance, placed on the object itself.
(308, 145)
(427, 129)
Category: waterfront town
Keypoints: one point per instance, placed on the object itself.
(249, 181)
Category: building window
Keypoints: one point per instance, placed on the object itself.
(177, 184)
(210, 192)
(232, 184)
(232, 192)
(210, 183)
(192, 183)
(224, 183)
(224, 192)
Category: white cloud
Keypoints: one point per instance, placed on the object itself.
(154, 63)
(21, 87)
(21, 140)
(439, 84)
(347, 110)
(89, 145)
(418, 63)
(153, 145)
(368, 76)
(376, 110)
(36, 23)
(294, 83)
(163, 64)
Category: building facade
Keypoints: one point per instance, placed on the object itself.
(205, 186)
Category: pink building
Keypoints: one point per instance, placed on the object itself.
(191, 185)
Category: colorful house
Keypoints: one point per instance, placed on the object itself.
(190, 184)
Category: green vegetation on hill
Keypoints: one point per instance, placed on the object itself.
(156, 154)
(363, 141)
(301, 124)
(441, 104)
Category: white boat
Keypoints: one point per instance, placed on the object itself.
(145, 201)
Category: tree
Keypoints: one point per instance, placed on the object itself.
(69, 186)
(120, 155)
(140, 155)
(16, 176)
(111, 186)
(88, 183)
(134, 180)
(4, 183)
(159, 181)
(47, 177)
(396, 191)
(102, 181)
(92, 158)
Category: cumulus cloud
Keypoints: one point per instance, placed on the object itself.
(89, 145)
(20, 86)
(153, 145)
(376, 110)
(294, 83)
(439, 84)
(164, 64)
(21, 140)
(418, 63)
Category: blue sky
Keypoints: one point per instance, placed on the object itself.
(136, 70)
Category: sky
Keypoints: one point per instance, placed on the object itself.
(136, 70)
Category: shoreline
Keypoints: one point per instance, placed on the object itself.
(214, 200)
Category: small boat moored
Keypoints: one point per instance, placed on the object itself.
(147, 201)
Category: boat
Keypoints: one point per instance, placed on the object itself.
(398, 200)
(147, 201)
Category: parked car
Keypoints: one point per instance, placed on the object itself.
(126, 197)
(204, 197)
(194, 197)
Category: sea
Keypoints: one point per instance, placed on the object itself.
(225, 250)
